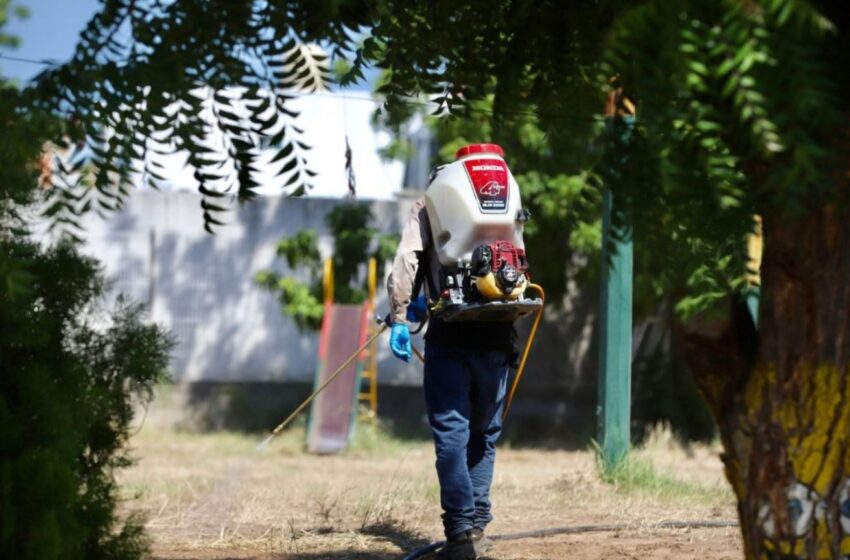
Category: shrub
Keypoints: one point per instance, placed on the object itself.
(72, 370)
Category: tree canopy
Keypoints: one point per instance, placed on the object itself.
(742, 111)
(736, 104)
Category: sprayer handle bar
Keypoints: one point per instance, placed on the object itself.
(387, 320)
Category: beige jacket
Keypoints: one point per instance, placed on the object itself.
(415, 241)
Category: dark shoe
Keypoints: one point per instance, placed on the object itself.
(460, 547)
(481, 542)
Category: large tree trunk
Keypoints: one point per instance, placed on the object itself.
(780, 395)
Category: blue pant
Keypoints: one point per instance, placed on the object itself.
(464, 393)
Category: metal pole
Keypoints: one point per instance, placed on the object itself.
(615, 348)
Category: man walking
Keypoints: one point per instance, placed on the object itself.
(466, 370)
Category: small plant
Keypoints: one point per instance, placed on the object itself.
(354, 243)
(639, 475)
(326, 504)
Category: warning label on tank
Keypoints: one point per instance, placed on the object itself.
(489, 179)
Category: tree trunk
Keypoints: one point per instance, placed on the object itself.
(780, 393)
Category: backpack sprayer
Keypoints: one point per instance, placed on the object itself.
(477, 221)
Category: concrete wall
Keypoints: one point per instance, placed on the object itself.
(201, 286)
(231, 331)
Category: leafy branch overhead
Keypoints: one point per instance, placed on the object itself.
(736, 104)
(737, 114)
(212, 80)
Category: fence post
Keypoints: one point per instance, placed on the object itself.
(615, 348)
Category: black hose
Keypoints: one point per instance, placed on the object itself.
(705, 524)
(427, 549)
(421, 326)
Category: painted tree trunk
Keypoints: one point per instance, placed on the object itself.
(781, 396)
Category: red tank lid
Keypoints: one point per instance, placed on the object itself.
(480, 149)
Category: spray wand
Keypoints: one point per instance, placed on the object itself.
(263, 444)
(382, 324)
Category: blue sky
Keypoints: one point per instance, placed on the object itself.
(50, 33)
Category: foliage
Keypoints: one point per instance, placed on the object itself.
(72, 370)
(354, 244)
(146, 80)
(71, 375)
(719, 138)
(20, 144)
(7, 8)
(723, 132)
(24, 133)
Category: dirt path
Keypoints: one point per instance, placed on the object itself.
(213, 497)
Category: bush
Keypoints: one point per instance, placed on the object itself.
(71, 373)
(355, 241)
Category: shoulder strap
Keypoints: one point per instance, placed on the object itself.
(423, 274)
(420, 274)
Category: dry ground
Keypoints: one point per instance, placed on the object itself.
(212, 496)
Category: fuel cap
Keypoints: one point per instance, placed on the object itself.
(480, 149)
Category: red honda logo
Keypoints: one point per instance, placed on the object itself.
(493, 188)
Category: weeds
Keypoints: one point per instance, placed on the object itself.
(640, 475)
(326, 505)
(381, 512)
(378, 439)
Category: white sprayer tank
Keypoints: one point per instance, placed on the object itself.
(472, 201)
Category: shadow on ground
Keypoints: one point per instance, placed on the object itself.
(405, 540)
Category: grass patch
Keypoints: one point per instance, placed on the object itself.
(638, 475)
(212, 491)
(369, 439)
(377, 439)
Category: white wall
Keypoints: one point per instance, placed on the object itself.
(201, 286)
(228, 329)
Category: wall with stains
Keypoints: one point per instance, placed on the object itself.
(229, 330)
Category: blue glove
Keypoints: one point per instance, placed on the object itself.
(417, 310)
(400, 342)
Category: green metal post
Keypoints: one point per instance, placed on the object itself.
(615, 348)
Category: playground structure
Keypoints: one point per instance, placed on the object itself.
(368, 396)
(348, 350)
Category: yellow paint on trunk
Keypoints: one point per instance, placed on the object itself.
(811, 418)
